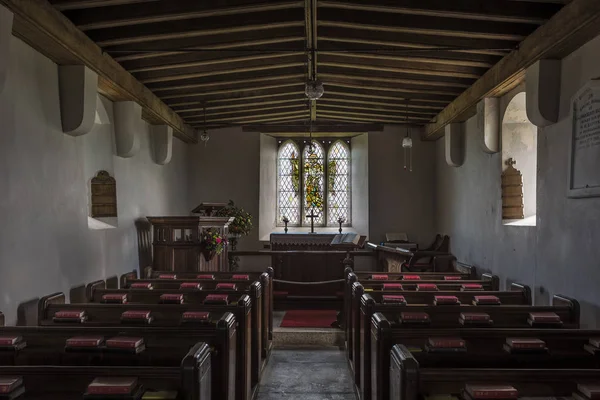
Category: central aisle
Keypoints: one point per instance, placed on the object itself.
(307, 373)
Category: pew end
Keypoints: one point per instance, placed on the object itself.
(561, 300)
(519, 287)
(91, 287)
(112, 282)
(466, 269)
(196, 368)
(125, 278)
(495, 281)
(44, 302)
(403, 368)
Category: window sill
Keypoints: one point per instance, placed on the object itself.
(99, 224)
(529, 221)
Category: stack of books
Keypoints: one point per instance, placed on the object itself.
(394, 299)
(126, 344)
(392, 286)
(114, 298)
(446, 345)
(216, 299)
(472, 318)
(226, 286)
(137, 316)
(78, 316)
(486, 301)
(471, 286)
(202, 317)
(205, 276)
(141, 285)
(191, 285)
(167, 276)
(241, 277)
(542, 319)
(84, 343)
(445, 300)
(427, 287)
(525, 345)
(414, 318)
(171, 298)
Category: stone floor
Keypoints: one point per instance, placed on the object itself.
(306, 373)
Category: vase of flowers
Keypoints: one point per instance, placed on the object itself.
(241, 225)
(211, 244)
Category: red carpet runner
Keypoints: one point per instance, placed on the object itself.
(309, 319)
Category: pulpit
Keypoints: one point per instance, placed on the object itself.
(307, 258)
(177, 240)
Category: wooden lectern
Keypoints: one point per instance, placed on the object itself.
(176, 240)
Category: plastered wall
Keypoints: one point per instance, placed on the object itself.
(45, 243)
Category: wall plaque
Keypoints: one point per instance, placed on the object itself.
(584, 155)
(104, 196)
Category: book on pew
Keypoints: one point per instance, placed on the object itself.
(137, 316)
(427, 287)
(446, 345)
(12, 343)
(191, 285)
(392, 286)
(470, 286)
(141, 285)
(491, 391)
(414, 318)
(474, 319)
(241, 277)
(16, 393)
(70, 316)
(171, 298)
(391, 299)
(525, 345)
(379, 277)
(205, 276)
(167, 276)
(127, 344)
(202, 317)
(486, 301)
(590, 391)
(226, 286)
(541, 319)
(117, 388)
(453, 278)
(216, 299)
(411, 278)
(8, 384)
(114, 298)
(84, 343)
(445, 300)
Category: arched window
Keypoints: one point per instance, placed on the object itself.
(519, 155)
(313, 181)
(288, 183)
(338, 183)
(314, 177)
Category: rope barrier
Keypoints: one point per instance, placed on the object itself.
(309, 283)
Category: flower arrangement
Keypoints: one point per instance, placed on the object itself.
(212, 241)
(242, 224)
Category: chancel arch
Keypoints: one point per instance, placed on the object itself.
(519, 150)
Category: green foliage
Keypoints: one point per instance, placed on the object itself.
(242, 224)
(212, 240)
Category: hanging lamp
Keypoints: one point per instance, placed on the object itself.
(205, 137)
(407, 142)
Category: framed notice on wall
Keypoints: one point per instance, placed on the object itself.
(584, 153)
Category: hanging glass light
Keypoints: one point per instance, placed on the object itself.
(205, 137)
(407, 143)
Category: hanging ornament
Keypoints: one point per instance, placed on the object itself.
(205, 137)
(407, 143)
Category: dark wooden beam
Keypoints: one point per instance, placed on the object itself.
(329, 110)
(495, 11)
(211, 107)
(329, 78)
(234, 25)
(395, 92)
(258, 118)
(570, 28)
(423, 25)
(317, 127)
(414, 60)
(169, 11)
(48, 31)
(365, 119)
(356, 91)
(391, 110)
(246, 112)
(234, 93)
(64, 5)
(412, 105)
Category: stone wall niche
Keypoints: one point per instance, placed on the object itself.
(128, 123)
(103, 207)
(488, 124)
(542, 82)
(6, 23)
(78, 87)
(454, 142)
(162, 143)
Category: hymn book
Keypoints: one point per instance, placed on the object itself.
(9, 383)
(484, 392)
(12, 343)
(526, 345)
(106, 386)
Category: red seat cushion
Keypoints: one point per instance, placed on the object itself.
(392, 286)
(411, 278)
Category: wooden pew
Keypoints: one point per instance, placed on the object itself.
(488, 281)
(165, 315)
(409, 382)
(265, 279)
(260, 346)
(447, 316)
(519, 294)
(191, 379)
(164, 347)
(484, 349)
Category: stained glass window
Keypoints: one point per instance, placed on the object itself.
(314, 176)
(313, 181)
(338, 183)
(288, 187)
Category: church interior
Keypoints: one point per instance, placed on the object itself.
(300, 199)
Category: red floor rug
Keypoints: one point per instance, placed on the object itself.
(309, 319)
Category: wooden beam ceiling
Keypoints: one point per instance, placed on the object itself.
(246, 61)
